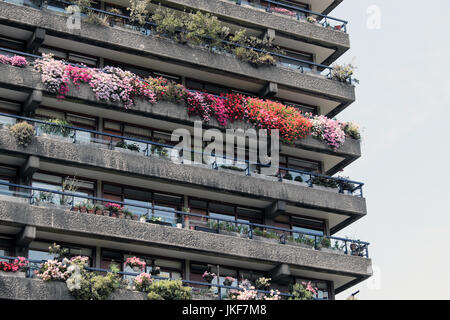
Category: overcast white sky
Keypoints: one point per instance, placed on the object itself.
(403, 107)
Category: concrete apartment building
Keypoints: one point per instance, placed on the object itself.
(183, 240)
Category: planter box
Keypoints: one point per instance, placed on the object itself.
(18, 274)
(263, 176)
(264, 239)
(303, 245)
(233, 234)
(205, 229)
(241, 173)
(335, 190)
(56, 137)
(127, 150)
(162, 223)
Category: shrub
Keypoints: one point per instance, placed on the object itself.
(169, 290)
(168, 22)
(138, 11)
(343, 73)
(298, 179)
(23, 132)
(142, 282)
(287, 176)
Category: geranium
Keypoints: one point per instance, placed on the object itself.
(114, 207)
(8, 267)
(328, 130)
(17, 61)
(135, 262)
(143, 281)
(53, 270)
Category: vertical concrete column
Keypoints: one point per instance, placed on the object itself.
(101, 62)
(23, 240)
(186, 205)
(98, 191)
(183, 80)
(187, 269)
(98, 257)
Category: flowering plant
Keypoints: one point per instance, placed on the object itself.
(248, 292)
(135, 262)
(143, 281)
(209, 276)
(263, 283)
(18, 264)
(116, 85)
(113, 207)
(352, 130)
(53, 270)
(16, 61)
(328, 130)
(343, 73)
(303, 291)
(311, 19)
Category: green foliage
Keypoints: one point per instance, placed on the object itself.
(96, 287)
(169, 290)
(23, 132)
(266, 234)
(203, 25)
(56, 127)
(169, 22)
(287, 176)
(325, 242)
(300, 292)
(298, 179)
(326, 182)
(138, 11)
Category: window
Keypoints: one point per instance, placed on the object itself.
(298, 55)
(212, 88)
(70, 56)
(323, 287)
(7, 175)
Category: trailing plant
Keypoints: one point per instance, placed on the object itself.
(16, 61)
(352, 130)
(142, 282)
(169, 290)
(23, 132)
(135, 262)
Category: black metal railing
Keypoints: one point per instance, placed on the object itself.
(148, 26)
(183, 219)
(151, 148)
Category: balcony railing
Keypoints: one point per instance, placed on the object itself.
(183, 219)
(36, 265)
(304, 66)
(297, 12)
(150, 148)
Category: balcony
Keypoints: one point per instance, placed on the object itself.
(308, 80)
(17, 82)
(326, 35)
(57, 223)
(93, 158)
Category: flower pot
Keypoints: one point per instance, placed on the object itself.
(91, 211)
(99, 212)
(83, 209)
(75, 209)
(121, 215)
(106, 213)
(114, 214)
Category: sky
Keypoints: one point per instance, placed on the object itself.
(403, 106)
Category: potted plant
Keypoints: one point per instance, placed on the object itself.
(82, 205)
(135, 263)
(208, 276)
(324, 183)
(228, 281)
(123, 212)
(134, 217)
(90, 208)
(76, 207)
(98, 208)
(266, 236)
(16, 268)
(113, 208)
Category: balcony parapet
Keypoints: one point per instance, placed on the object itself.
(26, 79)
(87, 155)
(128, 231)
(160, 49)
